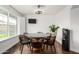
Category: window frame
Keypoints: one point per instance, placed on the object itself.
(16, 24)
(8, 15)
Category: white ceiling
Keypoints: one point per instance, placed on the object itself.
(47, 9)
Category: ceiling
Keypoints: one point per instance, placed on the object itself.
(47, 9)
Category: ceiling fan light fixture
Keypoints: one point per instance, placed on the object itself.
(38, 10)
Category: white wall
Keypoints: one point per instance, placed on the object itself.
(69, 18)
(22, 25)
(63, 20)
(42, 25)
(75, 29)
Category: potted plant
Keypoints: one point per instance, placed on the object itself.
(53, 29)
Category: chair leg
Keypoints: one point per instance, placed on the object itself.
(28, 45)
(19, 47)
(51, 48)
(54, 49)
(46, 47)
(22, 49)
(43, 47)
(40, 50)
(31, 49)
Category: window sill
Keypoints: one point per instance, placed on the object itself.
(8, 38)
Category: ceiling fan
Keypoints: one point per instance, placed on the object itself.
(39, 10)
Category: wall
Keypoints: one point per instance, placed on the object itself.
(75, 28)
(69, 18)
(43, 23)
(63, 20)
(22, 25)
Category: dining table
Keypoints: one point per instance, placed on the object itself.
(37, 35)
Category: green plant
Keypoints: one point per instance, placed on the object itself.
(53, 28)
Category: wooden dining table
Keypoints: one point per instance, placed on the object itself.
(37, 35)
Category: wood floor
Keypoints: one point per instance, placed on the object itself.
(26, 50)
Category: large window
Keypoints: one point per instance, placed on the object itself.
(8, 26)
(12, 26)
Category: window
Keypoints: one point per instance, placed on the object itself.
(8, 26)
(12, 25)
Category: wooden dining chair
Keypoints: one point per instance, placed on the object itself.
(36, 43)
(24, 40)
(50, 41)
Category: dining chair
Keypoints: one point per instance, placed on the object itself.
(50, 41)
(36, 43)
(24, 40)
